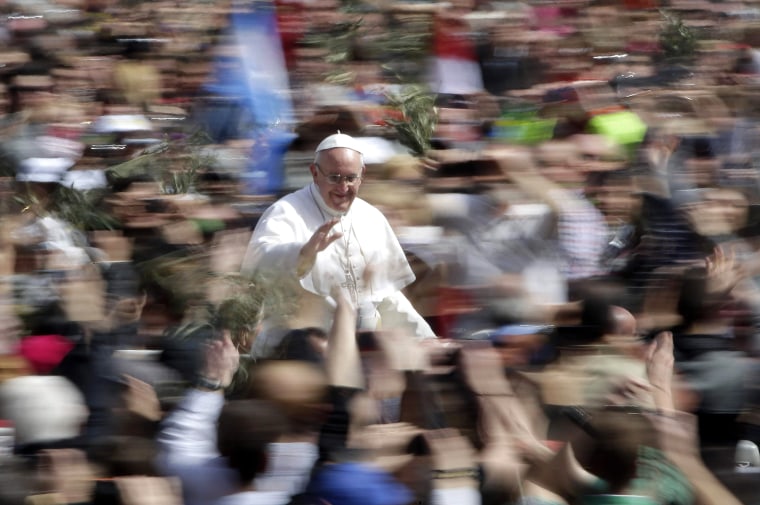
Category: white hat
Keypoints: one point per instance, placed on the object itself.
(43, 408)
(121, 123)
(43, 169)
(339, 140)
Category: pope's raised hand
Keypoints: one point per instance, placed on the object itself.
(318, 242)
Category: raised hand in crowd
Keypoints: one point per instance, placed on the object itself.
(660, 370)
(221, 361)
(723, 271)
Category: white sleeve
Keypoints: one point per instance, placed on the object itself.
(189, 431)
(274, 245)
(187, 449)
(396, 311)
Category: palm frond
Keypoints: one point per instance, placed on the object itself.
(175, 164)
(677, 40)
(417, 107)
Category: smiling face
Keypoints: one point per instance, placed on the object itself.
(338, 161)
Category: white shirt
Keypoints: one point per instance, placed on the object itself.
(254, 498)
(368, 242)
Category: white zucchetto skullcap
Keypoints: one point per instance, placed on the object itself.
(339, 140)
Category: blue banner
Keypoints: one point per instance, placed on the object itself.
(252, 94)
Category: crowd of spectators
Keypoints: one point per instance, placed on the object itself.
(582, 221)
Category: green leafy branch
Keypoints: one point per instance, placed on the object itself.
(417, 107)
(83, 210)
(175, 164)
(337, 41)
(676, 39)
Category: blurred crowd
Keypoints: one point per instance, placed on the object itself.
(574, 184)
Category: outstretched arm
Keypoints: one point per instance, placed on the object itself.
(677, 430)
(397, 312)
(660, 370)
(187, 439)
(343, 362)
(287, 240)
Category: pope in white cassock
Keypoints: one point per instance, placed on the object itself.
(323, 237)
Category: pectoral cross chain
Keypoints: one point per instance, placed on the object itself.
(350, 285)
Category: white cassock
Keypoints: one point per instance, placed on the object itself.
(368, 241)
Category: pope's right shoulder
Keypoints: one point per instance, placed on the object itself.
(290, 207)
(279, 234)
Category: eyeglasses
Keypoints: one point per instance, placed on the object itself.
(334, 179)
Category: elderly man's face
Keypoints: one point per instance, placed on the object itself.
(342, 163)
